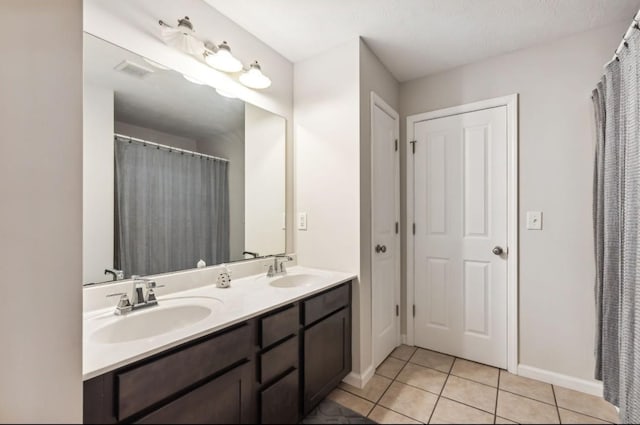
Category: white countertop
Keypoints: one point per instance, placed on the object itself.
(247, 297)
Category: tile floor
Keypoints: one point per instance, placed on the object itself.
(420, 386)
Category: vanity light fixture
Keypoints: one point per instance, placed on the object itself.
(221, 58)
(182, 36)
(254, 78)
(218, 57)
(193, 80)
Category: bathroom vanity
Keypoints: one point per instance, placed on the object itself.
(273, 366)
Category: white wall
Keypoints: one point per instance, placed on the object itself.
(41, 211)
(556, 163)
(326, 98)
(264, 180)
(327, 157)
(97, 188)
(155, 136)
(373, 77)
(134, 26)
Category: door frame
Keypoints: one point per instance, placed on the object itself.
(511, 102)
(376, 100)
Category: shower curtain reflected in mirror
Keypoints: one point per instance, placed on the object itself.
(171, 209)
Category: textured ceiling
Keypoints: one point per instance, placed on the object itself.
(414, 38)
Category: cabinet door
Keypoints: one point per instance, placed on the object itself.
(279, 402)
(224, 400)
(327, 356)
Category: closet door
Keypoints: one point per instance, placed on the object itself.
(460, 210)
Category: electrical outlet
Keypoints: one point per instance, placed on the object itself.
(534, 220)
(302, 221)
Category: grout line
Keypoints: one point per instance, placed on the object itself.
(553, 390)
(529, 398)
(584, 414)
(441, 390)
(439, 395)
(468, 405)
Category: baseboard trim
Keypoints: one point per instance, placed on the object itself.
(592, 387)
(359, 380)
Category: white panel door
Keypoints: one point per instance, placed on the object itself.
(460, 210)
(385, 249)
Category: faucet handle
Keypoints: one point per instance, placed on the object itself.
(123, 302)
(271, 272)
(151, 295)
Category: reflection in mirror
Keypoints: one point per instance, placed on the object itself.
(175, 175)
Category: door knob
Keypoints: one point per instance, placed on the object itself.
(380, 248)
(497, 250)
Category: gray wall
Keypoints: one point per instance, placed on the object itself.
(373, 77)
(41, 211)
(556, 160)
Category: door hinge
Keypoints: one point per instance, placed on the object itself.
(397, 227)
(414, 310)
(413, 145)
(397, 310)
(414, 228)
(396, 145)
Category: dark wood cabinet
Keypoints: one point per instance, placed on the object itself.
(271, 369)
(280, 402)
(327, 356)
(179, 378)
(223, 400)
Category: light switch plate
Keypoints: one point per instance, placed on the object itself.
(302, 221)
(534, 220)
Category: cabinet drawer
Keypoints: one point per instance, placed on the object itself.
(280, 402)
(279, 359)
(278, 326)
(220, 401)
(325, 304)
(150, 383)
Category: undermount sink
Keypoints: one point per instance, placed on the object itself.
(295, 280)
(169, 315)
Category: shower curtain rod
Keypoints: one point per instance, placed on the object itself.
(633, 26)
(170, 148)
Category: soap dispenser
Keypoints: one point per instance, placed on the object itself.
(224, 278)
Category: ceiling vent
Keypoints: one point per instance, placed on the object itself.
(134, 69)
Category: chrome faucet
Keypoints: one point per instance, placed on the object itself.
(139, 298)
(277, 268)
(117, 274)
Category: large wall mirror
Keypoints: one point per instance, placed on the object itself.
(175, 173)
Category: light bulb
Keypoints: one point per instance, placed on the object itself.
(223, 60)
(254, 78)
(193, 80)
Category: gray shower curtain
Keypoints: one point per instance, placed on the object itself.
(171, 209)
(616, 212)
